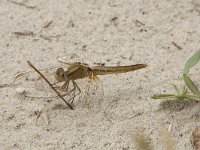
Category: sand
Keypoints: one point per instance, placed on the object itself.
(162, 34)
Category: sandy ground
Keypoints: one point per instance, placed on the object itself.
(114, 32)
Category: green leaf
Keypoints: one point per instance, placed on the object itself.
(191, 62)
(184, 91)
(176, 89)
(191, 85)
(163, 96)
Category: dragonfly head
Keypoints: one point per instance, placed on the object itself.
(60, 74)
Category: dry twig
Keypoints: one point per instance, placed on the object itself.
(31, 65)
(22, 4)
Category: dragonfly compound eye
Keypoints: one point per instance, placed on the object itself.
(60, 74)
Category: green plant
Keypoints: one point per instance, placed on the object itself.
(193, 93)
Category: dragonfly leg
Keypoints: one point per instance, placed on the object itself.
(56, 83)
(75, 87)
(66, 84)
(56, 86)
(64, 87)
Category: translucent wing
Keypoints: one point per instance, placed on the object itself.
(69, 64)
(34, 85)
(92, 95)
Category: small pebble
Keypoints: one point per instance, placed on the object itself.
(20, 90)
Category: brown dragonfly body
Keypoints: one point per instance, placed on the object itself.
(81, 70)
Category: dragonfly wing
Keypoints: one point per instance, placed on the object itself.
(73, 68)
(92, 94)
(66, 61)
(34, 85)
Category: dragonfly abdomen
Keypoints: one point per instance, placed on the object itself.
(104, 70)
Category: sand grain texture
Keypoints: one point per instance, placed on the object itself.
(163, 34)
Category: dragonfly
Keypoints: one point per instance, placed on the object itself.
(78, 70)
